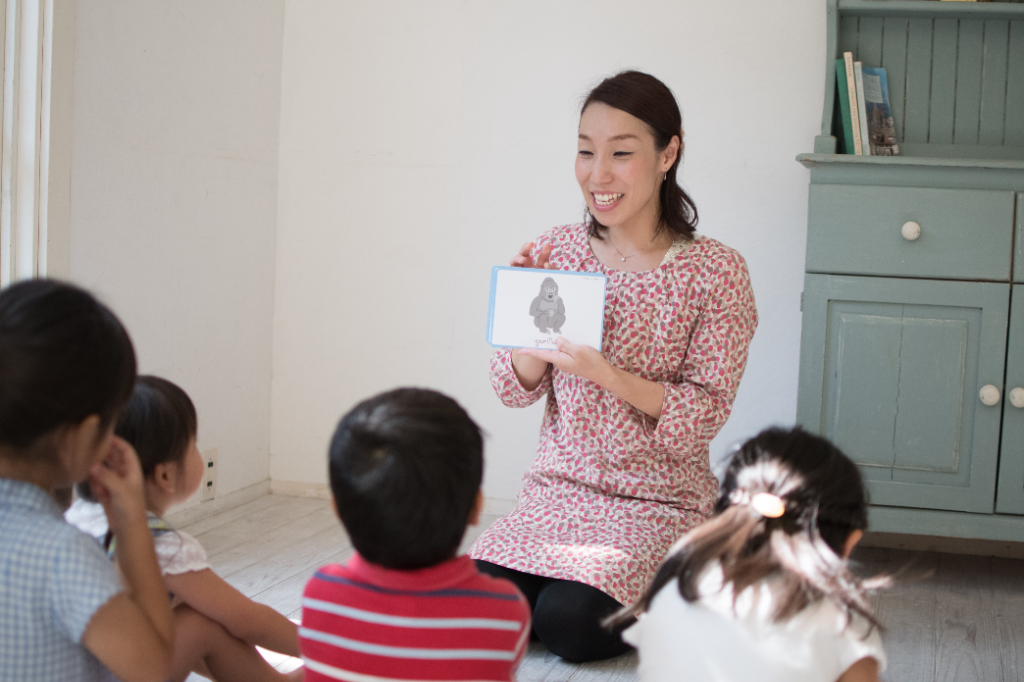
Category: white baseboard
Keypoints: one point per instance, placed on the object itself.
(493, 506)
(300, 489)
(193, 510)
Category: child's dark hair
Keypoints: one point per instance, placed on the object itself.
(159, 421)
(405, 468)
(63, 357)
(825, 501)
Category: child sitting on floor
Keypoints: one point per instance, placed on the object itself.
(762, 590)
(405, 470)
(216, 626)
(66, 368)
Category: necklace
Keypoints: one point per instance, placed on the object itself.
(624, 257)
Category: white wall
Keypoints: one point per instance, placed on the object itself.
(422, 143)
(174, 195)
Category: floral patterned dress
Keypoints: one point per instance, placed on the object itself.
(611, 488)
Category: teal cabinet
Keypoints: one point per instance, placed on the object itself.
(891, 372)
(912, 341)
(1010, 499)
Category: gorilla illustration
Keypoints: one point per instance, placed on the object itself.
(547, 309)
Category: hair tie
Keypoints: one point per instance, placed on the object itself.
(768, 505)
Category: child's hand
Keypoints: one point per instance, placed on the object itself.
(117, 484)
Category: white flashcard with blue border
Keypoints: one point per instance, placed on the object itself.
(530, 308)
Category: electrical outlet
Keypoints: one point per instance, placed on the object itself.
(208, 489)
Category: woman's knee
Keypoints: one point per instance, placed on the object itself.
(568, 619)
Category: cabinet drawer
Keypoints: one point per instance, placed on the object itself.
(857, 229)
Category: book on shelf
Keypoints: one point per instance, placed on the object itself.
(880, 124)
(858, 77)
(877, 135)
(846, 87)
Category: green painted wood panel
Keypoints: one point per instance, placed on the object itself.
(944, 56)
(919, 80)
(1004, 527)
(967, 114)
(894, 61)
(847, 37)
(865, 348)
(1010, 493)
(993, 82)
(1014, 135)
(943, 325)
(935, 349)
(856, 229)
(1018, 259)
(869, 41)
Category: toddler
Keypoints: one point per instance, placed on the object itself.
(216, 626)
(405, 470)
(66, 368)
(762, 590)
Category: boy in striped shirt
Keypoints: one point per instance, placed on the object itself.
(405, 470)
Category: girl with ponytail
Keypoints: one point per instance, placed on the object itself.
(762, 590)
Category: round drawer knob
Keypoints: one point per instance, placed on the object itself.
(1017, 397)
(989, 394)
(911, 231)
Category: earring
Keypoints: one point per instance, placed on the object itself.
(665, 177)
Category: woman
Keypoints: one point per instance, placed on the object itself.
(622, 467)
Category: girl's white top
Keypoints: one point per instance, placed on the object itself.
(709, 640)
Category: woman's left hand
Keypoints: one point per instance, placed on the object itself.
(588, 363)
(582, 361)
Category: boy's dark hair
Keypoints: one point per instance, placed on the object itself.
(63, 357)
(824, 500)
(405, 468)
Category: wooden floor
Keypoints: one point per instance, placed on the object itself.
(961, 623)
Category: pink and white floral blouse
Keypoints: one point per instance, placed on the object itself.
(611, 488)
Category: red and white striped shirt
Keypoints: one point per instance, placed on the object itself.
(365, 623)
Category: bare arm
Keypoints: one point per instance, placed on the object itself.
(132, 634)
(864, 670)
(258, 624)
(529, 370)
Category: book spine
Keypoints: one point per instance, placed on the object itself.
(851, 91)
(865, 139)
(845, 127)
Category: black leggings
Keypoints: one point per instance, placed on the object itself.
(567, 615)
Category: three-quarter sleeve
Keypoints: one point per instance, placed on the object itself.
(506, 383)
(695, 409)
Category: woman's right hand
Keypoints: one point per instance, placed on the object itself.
(524, 260)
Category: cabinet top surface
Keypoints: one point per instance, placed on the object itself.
(812, 160)
(930, 8)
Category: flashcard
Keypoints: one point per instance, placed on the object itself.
(530, 308)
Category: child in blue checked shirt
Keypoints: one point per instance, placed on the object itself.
(66, 368)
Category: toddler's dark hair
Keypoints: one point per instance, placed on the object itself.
(159, 421)
(63, 357)
(405, 468)
(825, 501)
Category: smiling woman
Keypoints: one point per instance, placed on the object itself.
(622, 468)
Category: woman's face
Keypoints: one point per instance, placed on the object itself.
(619, 169)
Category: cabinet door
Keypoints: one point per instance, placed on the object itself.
(890, 371)
(1010, 499)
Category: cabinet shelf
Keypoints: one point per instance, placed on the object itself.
(929, 9)
(811, 160)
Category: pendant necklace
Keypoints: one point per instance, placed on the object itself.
(635, 252)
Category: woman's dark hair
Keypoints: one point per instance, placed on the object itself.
(63, 357)
(159, 421)
(405, 468)
(648, 99)
(824, 500)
